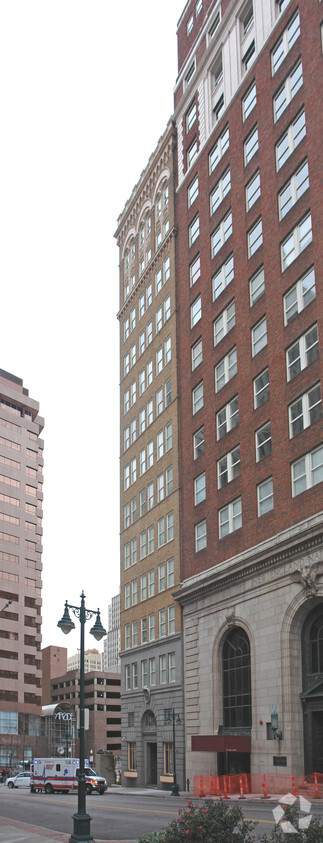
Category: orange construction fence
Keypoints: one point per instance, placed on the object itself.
(310, 786)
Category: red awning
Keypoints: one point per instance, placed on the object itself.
(221, 743)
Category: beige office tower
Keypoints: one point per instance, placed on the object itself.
(21, 495)
(151, 688)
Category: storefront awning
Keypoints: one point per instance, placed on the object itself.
(221, 743)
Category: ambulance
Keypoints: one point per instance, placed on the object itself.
(61, 774)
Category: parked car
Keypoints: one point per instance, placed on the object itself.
(20, 780)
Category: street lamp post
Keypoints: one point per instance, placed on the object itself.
(5, 605)
(82, 820)
(172, 718)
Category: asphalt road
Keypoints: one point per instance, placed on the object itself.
(115, 816)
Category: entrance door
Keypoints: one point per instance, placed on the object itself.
(233, 763)
(318, 741)
(151, 763)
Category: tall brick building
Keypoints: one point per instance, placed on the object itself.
(248, 328)
(21, 465)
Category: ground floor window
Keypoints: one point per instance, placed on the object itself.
(132, 755)
(168, 758)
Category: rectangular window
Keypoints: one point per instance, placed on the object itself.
(126, 401)
(151, 583)
(198, 442)
(303, 352)
(160, 488)
(171, 620)
(127, 596)
(259, 336)
(159, 401)
(126, 477)
(161, 577)
(162, 670)
(229, 467)
(200, 536)
(167, 351)
(143, 625)
(159, 360)
(142, 462)
(265, 496)
(197, 398)
(200, 488)
(287, 91)
(251, 145)
(196, 311)
(194, 230)
(307, 471)
(141, 343)
(144, 673)
(160, 444)
(167, 309)
(222, 277)
(127, 556)
(253, 190)
(168, 436)
(133, 510)
(127, 677)
(190, 117)
(143, 581)
(286, 41)
(257, 285)
(127, 636)
(168, 392)
(150, 496)
(299, 296)
(142, 421)
(171, 667)
(249, 101)
(159, 319)
(149, 295)
(169, 480)
(263, 441)
(230, 518)
(152, 672)
(195, 270)
(151, 627)
(249, 56)
(197, 355)
(221, 234)
(161, 532)
(143, 545)
(255, 238)
(191, 153)
(290, 139)
(142, 502)
(162, 623)
(134, 596)
(132, 319)
(261, 388)
(133, 551)
(226, 369)
(134, 629)
(142, 381)
(133, 393)
(305, 410)
(193, 191)
(126, 328)
(296, 242)
(126, 515)
(169, 526)
(135, 675)
(170, 573)
(158, 281)
(293, 190)
(149, 333)
(220, 191)
(228, 417)
(220, 147)
(224, 323)
(126, 438)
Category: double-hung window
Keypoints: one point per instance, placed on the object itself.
(255, 238)
(307, 471)
(285, 43)
(253, 190)
(257, 285)
(223, 277)
(300, 295)
(249, 101)
(199, 488)
(290, 139)
(305, 410)
(226, 369)
(230, 518)
(221, 234)
(229, 467)
(288, 90)
(200, 536)
(224, 323)
(259, 336)
(220, 191)
(195, 270)
(191, 153)
(265, 496)
(193, 191)
(296, 242)
(261, 388)
(228, 417)
(198, 397)
(191, 117)
(198, 442)
(293, 190)
(197, 354)
(301, 353)
(251, 145)
(218, 150)
(196, 311)
(263, 441)
(194, 230)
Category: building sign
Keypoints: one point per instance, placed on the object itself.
(279, 761)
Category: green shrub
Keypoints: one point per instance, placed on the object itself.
(212, 822)
(313, 834)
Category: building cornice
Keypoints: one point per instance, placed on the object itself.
(146, 273)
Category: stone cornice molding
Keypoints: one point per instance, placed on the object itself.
(305, 538)
(145, 275)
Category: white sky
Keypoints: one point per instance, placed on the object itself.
(86, 91)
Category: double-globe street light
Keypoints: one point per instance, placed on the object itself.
(174, 718)
(82, 820)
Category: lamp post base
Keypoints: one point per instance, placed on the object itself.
(82, 831)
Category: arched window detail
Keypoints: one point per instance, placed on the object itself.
(316, 646)
(236, 680)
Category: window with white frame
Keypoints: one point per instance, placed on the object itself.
(149, 333)
(198, 7)
(197, 397)
(265, 496)
(133, 431)
(200, 488)
(159, 360)
(126, 328)
(218, 149)
(141, 343)
(162, 670)
(133, 470)
(160, 488)
(195, 270)
(259, 336)
(302, 353)
(215, 23)
(223, 277)
(220, 191)
(134, 675)
(127, 636)
(158, 281)
(162, 576)
(300, 295)
(263, 441)
(134, 595)
(126, 477)
(290, 139)
(293, 190)
(149, 371)
(193, 191)
(221, 233)
(126, 438)
(126, 364)
(126, 515)
(196, 311)
(152, 672)
(249, 101)
(167, 309)
(142, 462)
(127, 677)
(230, 518)
(261, 388)
(151, 583)
(251, 145)
(253, 190)
(160, 444)
(171, 621)
(143, 545)
(171, 667)
(126, 555)
(144, 671)
(166, 269)
(168, 436)
(126, 401)
(168, 392)
(287, 91)
(159, 319)
(167, 350)
(229, 467)
(306, 410)
(191, 153)
(133, 510)
(190, 24)
(142, 381)
(150, 412)
(307, 471)
(149, 295)
(197, 354)
(150, 454)
(218, 108)
(162, 623)
(296, 242)
(142, 502)
(255, 238)
(132, 355)
(143, 624)
(151, 620)
(169, 526)
(200, 536)
(170, 572)
(169, 480)
(226, 369)
(134, 631)
(132, 319)
(247, 18)
(142, 420)
(161, 531)
(127, 596)
(224, 323)
(191, 116)
(151, 538)
(217, 72)
(285, 42)
(194, 230)
(133, 548)
(257, 285)
(249, 56)
(198, 442)
(228, 417)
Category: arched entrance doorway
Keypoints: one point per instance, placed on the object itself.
(236, 684)
(149, 733)
(312, 695)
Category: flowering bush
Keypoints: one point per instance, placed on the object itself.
(312, 834)
(212, 822)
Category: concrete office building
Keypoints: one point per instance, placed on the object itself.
(21, 495)
(250, 307)
(54, 663)
(112, 642)
(102, 698)
(92, 661)
(151, 672)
